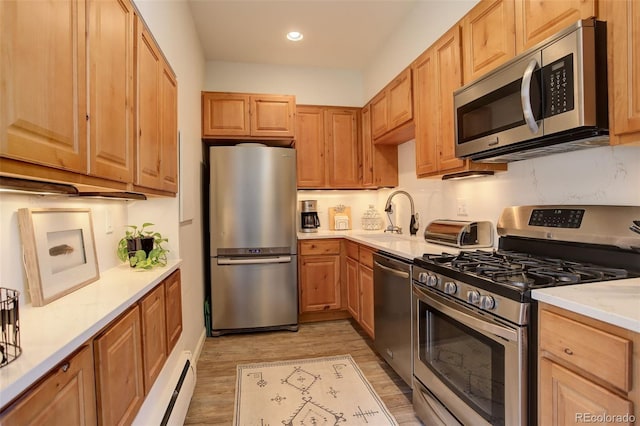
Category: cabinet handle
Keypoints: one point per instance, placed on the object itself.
(65, 367)
(568, 351)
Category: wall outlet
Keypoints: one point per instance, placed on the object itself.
(108, 224)
(462, 207)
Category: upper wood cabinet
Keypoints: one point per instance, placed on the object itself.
(379, 162)
(71, 105)
(437, 73)
(488, 37)
(65, 397)
(157, 147)
(328, 147)
(111, 95)
(392, 111)
(244, 115)
(341, 130)
(623, 47)
(538, 19)
(43, 106)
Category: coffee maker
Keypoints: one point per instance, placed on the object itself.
(309, 221)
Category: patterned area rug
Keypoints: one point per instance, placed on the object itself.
(313, 392)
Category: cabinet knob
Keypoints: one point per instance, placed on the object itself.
(568, 351)
(65, 367)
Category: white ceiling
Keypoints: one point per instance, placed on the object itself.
(337, 33)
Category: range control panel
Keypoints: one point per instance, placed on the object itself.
(557, 218)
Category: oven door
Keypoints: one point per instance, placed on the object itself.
(471, 363)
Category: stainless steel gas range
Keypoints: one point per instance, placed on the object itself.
(474, 342)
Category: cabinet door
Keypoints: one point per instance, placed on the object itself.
(449, 78)
(65, 397)
(310, 147)
(366, 300)
(353, 288)
(400, 99)
(169, 130)
(273, 116)
(154, 335)
(623, 31)
(111, 97)
(43, 104)
(488, 37)
(148, 151)
(379, 115)
(426, 113)
(319, 283)
(225, 114)
(367, 147)
(118, 360)
(538, 19)
(343, 149)
(173, 303)
(564, 395)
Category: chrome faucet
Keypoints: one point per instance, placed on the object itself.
(413, 225)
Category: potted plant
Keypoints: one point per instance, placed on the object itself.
(142, 247)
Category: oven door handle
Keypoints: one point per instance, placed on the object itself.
(469, 320)
(525, 97)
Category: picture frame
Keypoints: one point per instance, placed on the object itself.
(59, 251)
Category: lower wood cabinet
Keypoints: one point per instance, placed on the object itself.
(154, 335)
(105, 381)
(119, 370)
(319, 275)
(359, 276)
(65, 397)
(587, 368)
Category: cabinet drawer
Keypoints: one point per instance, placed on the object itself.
(602, 354)
(316, 247)
(366, 257)
(351, 249)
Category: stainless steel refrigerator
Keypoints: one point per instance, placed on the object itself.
(252, 244)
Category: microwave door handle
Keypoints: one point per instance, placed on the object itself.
(525, 97)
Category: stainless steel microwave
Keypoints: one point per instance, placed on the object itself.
(551, 98)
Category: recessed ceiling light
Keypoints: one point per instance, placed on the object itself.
(294, 36)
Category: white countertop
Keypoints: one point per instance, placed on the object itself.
(405, 246)
(614, 302)
(50, 333)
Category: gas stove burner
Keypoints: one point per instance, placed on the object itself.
(523, 270)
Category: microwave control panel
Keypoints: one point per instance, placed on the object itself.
(558, 84)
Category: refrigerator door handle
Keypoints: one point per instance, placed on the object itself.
(252, 260)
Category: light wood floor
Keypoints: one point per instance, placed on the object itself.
(213, 398)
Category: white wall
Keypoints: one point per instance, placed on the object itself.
(311, 86)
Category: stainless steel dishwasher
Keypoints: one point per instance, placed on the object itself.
(392, 312)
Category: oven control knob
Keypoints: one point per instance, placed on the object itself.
(450, 287)
(473, 296)
(432, 280)
(487, 302)
(422, 277)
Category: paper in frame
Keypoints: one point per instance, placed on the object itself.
(58, 250)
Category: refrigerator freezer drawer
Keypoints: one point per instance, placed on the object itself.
(254, 295)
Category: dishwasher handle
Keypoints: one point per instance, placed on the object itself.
(401, 274)
(253, 260)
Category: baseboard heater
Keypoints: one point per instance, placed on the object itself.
(179, 403)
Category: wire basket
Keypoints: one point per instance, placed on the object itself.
(10, 334)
